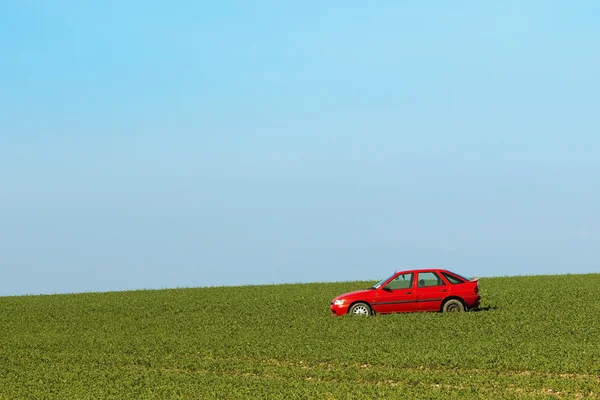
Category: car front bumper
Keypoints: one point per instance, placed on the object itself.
(339, 310)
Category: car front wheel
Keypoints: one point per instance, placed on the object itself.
(360, 309)
(453, 305)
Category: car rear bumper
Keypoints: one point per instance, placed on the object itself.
(475, 303)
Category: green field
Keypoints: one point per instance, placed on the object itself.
(534, 337)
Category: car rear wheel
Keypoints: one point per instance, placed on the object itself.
(360, 309)
(453, 305)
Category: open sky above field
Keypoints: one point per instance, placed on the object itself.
(153, 144)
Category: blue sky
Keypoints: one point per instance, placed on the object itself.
(155, 145)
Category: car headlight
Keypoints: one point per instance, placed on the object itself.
(338, 303)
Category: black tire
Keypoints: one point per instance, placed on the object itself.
(360, 309)
(453, 305)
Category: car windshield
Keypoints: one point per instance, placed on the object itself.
(378, 285)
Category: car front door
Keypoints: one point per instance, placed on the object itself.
(431, 290)
(397, 296)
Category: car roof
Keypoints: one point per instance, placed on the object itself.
(423, 270)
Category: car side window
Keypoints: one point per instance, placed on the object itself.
(453, 280)
(403, 281)
(429, 279)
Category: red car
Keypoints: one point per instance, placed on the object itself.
(416, 290)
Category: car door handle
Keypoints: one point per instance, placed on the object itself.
(408, 292)
(443, 290)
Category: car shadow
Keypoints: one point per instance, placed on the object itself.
(486, 308)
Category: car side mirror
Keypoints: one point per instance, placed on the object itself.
(387, 288)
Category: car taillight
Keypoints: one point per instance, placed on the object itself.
(477, 289)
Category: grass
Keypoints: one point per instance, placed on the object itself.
(534, 337)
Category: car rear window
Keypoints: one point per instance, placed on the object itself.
(454, 279)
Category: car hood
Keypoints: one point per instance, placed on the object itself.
(357, 293)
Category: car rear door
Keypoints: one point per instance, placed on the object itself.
(397, 296)
(431, 290)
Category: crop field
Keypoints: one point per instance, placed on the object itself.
(533, 337)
